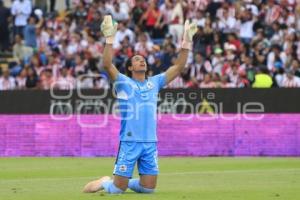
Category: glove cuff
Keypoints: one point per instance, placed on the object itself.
(110, 40)
(186, 45)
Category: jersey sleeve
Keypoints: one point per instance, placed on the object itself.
(160, 80)
(122, 78)
(122, 86)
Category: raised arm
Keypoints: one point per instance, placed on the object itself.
(109, 29)
(40, 23)
(177, 68)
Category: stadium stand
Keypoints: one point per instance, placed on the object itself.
(249, 43)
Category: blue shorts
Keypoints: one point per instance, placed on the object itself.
(142, 153)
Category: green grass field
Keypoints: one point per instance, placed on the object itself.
(180, 178)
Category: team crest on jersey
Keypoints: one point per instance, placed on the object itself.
(150, 85)
(123, 168)
(122, 95)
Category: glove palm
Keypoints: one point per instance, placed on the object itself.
(190, 30)
(109, 27)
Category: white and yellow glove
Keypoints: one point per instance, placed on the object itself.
(109, 28)
(190, 30)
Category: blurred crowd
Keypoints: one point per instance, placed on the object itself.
(246, 43)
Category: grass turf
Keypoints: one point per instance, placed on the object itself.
(180, 178)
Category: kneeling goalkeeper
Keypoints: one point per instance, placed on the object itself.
(137, 98)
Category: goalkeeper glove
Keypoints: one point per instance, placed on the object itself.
(190, 30)
(109, 28)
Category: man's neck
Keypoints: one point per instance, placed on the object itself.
(139, 76)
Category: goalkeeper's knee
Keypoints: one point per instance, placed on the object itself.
(134, 184)
(110, 188)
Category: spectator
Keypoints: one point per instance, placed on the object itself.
(177, 83)
(65, 81)
(165, 17)
(36, 65)
(80, 12)
(273, 12)
(94, 49)
(21, 79)
(226, 9)
(199, 45)
(176, 26)
(290, 80)
(7, 82)
(276, 56)
(4, 24)
(137, 11)
(296, 67)
(30, 32)
(168, 57)
(121, 34)
(225, 83)
(227, 23)
(84, 82)
(207, 82)
(94, 24)
(234, 39)
(199, 18)
(46, 79)
(246, 27)
(20, 51)
(263, 79)
(151, 18)
(118, 14)
(32, 79)
(101, 82)
(199, 68)
(218, 60)
(54, 65)
(143, 46)
(21, 10)
(80, 65)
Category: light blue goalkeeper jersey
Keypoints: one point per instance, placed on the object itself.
(137, 105)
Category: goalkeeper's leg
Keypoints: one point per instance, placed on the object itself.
(146, 184)
(148, 169)
(116, 186)
(127, 156)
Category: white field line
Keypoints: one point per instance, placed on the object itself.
(289, 170)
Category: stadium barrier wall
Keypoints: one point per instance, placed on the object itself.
(274, 100)
(40, 135)
(238, 122)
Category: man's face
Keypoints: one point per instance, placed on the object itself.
(18, 39)
(23, 73)
(225, 14)
(5, 73)
(295, 65)
(64, 72)
(122, 27)
(224, 79)
(271, 2)
(198, 58)
(290, 75)
(207, 78)
(97, 16)
(138, 64)
(31, 20)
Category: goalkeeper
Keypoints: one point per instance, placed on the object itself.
(137, 98)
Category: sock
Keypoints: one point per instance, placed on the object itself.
(134, 184)
(110, 188)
